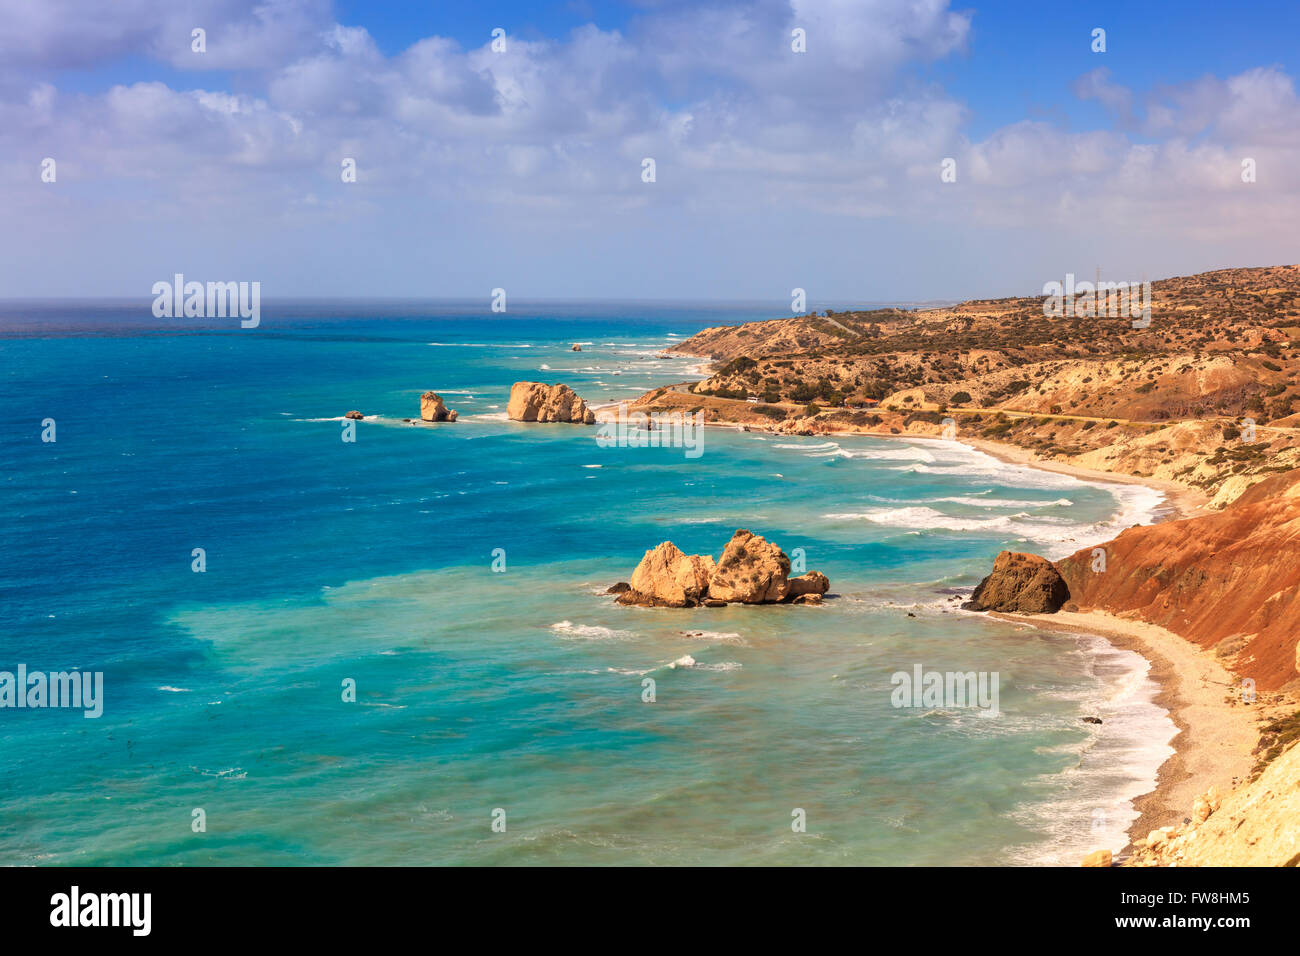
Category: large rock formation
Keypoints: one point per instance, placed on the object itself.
(1230, 578)
(1023, 583)
(432, 408)
(668, 578)
(538, 402)
(751, 571)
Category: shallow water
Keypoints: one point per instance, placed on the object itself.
(518, 689)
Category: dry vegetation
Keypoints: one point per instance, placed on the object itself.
(1174, 401)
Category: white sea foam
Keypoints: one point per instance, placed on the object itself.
(589, 632)
(715, 637)
(1092, 807)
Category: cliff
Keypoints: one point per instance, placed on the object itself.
(1229, 580)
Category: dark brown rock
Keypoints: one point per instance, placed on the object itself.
(1024, 583)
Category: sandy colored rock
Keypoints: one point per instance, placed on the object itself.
(755, 572)
(666, 577)
(1201, 810)
(1097, 858)
(1024, 583)
(357, 416)
(812, 583)
(538, 402)
(751, 570)
(433, 409)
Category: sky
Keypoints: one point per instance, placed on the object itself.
(522, 166)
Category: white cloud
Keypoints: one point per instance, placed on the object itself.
(549, 136)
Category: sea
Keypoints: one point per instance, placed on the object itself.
(397, 649)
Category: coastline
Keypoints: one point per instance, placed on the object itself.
(1215, 731)
(1183, 501)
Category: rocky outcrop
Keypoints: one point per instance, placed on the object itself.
(1252, 826)
(814, 582)
(433, 409)
(1098, 858)
(668, 578)
(1228, 580)
(1020, 583)
(538, 402)
(355, 415)
(751, 571)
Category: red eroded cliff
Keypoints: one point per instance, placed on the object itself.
(1229, 576)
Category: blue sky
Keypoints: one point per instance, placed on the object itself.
(522, 168)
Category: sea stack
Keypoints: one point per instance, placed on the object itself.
(1024, 583)
(751, 570)
(432, 408)
(538, 402)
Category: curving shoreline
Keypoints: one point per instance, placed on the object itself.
(1215, 732)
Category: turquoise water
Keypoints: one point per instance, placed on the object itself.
(519, 689)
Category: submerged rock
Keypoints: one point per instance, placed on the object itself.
(1024, 583)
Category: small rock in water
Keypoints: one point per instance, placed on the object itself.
(1091, 720)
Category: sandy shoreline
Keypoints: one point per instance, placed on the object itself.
(1216, 731)
(1183, 501)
